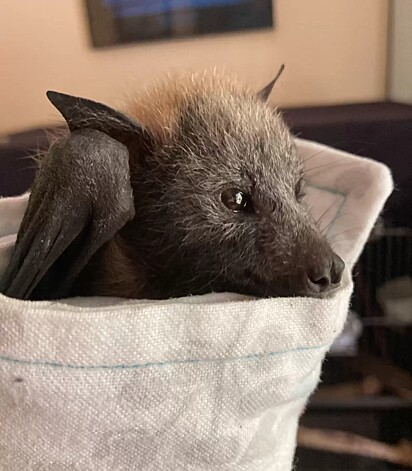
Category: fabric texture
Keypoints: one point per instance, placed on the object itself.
(214, 382)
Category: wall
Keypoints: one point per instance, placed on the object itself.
(400, 51)
(335, 51)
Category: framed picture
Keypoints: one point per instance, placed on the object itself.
(114, 22)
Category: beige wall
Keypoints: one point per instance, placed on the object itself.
(400, 51)
(334, 50)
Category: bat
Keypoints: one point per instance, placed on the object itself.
(197, 187)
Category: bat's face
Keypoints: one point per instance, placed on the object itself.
(220, 207)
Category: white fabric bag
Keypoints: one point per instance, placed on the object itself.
(215, 382)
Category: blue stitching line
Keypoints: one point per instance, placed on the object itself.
(156, 364)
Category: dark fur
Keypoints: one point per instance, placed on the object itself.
(183, 240)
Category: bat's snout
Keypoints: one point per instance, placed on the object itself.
(324, 275)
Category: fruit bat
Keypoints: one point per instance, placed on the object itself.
(196, 187)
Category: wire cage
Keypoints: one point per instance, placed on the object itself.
(383, 294)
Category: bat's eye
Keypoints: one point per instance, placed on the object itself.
(236, 200)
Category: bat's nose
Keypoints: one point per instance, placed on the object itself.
(324, 275)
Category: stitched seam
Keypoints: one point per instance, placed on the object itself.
(53, 364)
(339, 211)
(329, 190)
(337, 215)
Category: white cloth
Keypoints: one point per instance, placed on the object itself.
(215, 382)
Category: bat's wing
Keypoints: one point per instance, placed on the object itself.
(81, 197)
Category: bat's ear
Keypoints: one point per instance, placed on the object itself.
(263, 94)
(81, 113)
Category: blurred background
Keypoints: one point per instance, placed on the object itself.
(347, 83)
(335, 52)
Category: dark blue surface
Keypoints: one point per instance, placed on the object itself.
(131, 8)
(116, 22)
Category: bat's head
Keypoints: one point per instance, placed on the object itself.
(219, 196)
